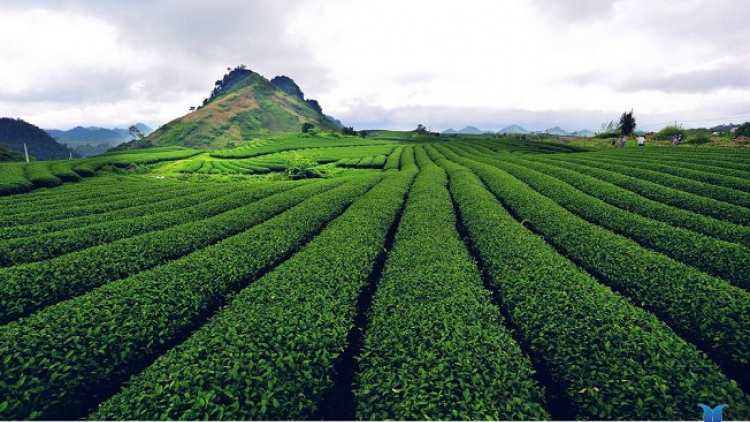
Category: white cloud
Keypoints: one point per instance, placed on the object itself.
(440, 63)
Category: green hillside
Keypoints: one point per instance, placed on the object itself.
(243, 105)
(16, 132)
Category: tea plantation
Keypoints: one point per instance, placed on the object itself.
(294, 278)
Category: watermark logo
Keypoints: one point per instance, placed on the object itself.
(712, 415)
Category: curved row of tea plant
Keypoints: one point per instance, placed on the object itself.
(242, 167)
(161, 202)
(57, 358)
(77, 194)
(50, 245)
(525, 146)
(294, 142)
(666, 195)
(66, 171)
(39, 174)
(13, 180)
(704, 310)
(60, 200)
(729, 159)
(27, 288)
(391, 163)
(610, 359)
(61, 210)
(435, 345)
(630, 201)
(707, 171)
(703, 176)
(270, 353)
(369, 162)
(125, 159)
(407, 161)
(23, 177)
(702, 189)
(722, 259)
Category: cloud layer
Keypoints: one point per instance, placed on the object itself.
(386, 63)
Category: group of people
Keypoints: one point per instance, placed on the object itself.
(641, 140)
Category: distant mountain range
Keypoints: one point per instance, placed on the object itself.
(468, 130)
(92, 140)
(513, 130)
(96, 134)
(518, 130)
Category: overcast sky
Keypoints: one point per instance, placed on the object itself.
(383, 63)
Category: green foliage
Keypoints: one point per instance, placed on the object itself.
(698, 138)
(405, 372)
(307, 127)
(348, 131)
(718, 201)
(610, 372)
(288, 142)
(222, 294)
(39, 175)
(54, 379)
(228, 83)
(630, 201)
(369, 162)
(699, 250)
(295, 319)
(607, 135)
(15, 133)
(78, 272)
(299, 166)
(627, 123)
(51, 244)
(13, 179)
(7, 154)
(743, 130)
(392, 161)
(668, 132)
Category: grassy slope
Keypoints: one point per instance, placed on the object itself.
(251, 108)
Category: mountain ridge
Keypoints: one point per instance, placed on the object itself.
(16, 132)
(518, 130)
(243, 105)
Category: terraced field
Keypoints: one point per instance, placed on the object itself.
(481, 279)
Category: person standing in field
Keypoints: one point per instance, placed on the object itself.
(622, 141)
(641, 141)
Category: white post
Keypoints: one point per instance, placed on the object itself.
(26, 151)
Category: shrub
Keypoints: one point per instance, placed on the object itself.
(607, 135)
(743, 130)
(301, 167)
(668, 132)
(698, 138)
